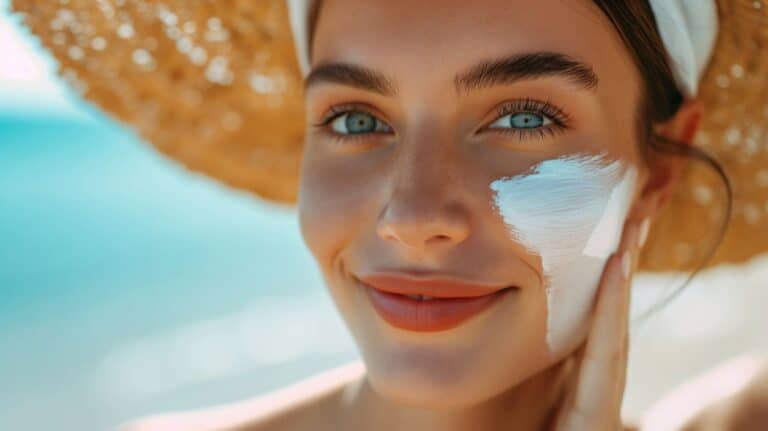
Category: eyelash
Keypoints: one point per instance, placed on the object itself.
(560, 120)
(337, 111)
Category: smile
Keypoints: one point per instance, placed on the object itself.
(417, 312)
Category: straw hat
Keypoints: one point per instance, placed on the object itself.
(217, 87)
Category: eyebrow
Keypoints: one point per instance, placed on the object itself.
(527, 66)
(488, 73)
(351, 75)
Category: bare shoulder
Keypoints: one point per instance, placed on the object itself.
(732, 395)
(308, 404)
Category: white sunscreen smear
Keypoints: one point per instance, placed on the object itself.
(569, 211)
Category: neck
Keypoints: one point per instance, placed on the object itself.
(527, 406)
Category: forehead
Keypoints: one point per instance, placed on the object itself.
(424, 44)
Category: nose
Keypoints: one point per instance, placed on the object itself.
(422, 221)
(425, 211)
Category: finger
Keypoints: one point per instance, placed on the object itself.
(602, 371)
(628, 308)
(595, 389)
(633, 244)
(621, 383)
(608, 336)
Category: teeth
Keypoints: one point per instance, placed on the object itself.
(420, 297)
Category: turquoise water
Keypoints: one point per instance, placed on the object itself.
(129, 286)
(110, 253)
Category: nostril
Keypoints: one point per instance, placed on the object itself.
(439, 238)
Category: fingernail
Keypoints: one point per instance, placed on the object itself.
(626, 263)
(645, 226)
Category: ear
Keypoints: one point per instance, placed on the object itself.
(665, 169)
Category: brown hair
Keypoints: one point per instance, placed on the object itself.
(660, 99)
(314, 8)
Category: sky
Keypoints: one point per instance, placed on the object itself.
(28, 81)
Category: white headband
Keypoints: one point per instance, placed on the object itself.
(687, 27)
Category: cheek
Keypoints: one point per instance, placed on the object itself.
(331, 208)
(570, 212)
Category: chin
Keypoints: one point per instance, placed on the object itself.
(431, 384)
(424, 392)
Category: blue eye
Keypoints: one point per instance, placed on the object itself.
(521, 120)
(357, 122)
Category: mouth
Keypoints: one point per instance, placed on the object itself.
(424, 313)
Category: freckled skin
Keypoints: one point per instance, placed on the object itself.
(419, 197)
(569, 211)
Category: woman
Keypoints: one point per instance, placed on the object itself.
(500, 162)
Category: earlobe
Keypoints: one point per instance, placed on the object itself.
(658, 190)
(691, 127)
(665, 168)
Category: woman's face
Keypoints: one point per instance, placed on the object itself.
(492, 142)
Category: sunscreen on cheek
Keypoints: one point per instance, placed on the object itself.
(570, 212)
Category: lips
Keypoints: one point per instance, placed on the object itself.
(435, 286)
(454, 301)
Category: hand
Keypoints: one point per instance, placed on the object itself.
(594, 403)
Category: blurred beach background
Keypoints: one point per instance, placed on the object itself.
(129, 286)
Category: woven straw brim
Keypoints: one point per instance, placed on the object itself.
(216, 86)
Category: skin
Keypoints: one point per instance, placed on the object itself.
(733, 395)
(418, 198)
(745, 410)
